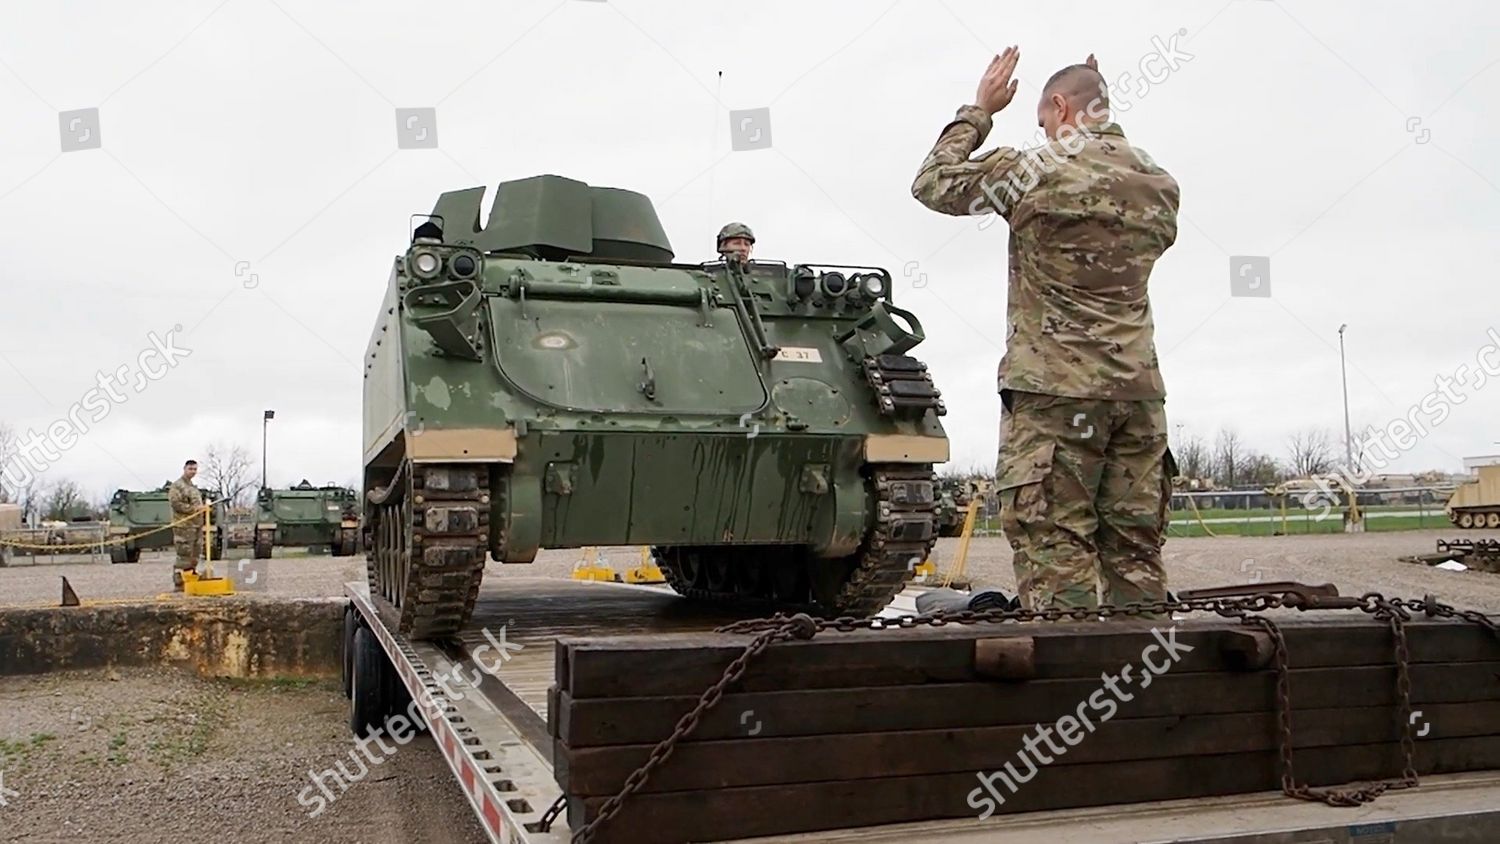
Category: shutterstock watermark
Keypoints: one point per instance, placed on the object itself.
(1074, 727)
(35, 452)
(1377, 448)
(403, 726)
(1042, 156)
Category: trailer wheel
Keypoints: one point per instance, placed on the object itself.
(132, 553)
(369, 699)
(263, 542)
(346, 650)
(117, 555)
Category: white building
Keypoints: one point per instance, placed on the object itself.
(1472, 464)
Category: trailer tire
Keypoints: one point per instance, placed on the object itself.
(369, 700)
(346, 650)
(117, 555)
(132, 554)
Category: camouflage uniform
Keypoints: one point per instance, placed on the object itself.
(1085, 475)
(187, 536)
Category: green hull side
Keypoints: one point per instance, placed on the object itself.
(690, 489)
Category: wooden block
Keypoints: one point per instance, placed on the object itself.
(1074, 736)
(803, 712)
(687, 664)
(1008, 658)
(714, 814)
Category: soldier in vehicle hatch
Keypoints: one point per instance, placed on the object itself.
(187, 536)
(736, 241)
(1085, 472)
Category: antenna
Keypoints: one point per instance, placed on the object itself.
(713, 139)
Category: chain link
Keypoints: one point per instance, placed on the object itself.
(1395, 611)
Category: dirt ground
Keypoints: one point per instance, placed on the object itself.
(147, 755)
(158, 755)
(1355, 563)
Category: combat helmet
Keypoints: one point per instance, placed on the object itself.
(734, 230)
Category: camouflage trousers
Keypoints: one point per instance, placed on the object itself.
(1084, 490)
(188, 539)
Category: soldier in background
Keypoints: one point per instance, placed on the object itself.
(1085, 473)
(736, 241)
(186, 500)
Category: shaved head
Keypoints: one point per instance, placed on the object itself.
(1075, 95)
(1079, 84)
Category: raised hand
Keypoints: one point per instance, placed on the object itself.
(996, 88)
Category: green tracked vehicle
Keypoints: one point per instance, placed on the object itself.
(133, 516)
(305, 515)
(552, 379)
(953, 496)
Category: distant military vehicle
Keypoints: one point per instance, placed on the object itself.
(553, 379)
(953, 496)
(136, 517)
(10, 523)
(1476, 504)
(305, 515)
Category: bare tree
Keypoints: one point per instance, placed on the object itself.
(227, 470)
(29, 496)
(1193, 459)
(8, 449)
(1229, 457)
(63, 500)
(1310, 451)
(1260, 469)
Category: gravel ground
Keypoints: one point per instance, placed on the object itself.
(103, 754)
(1354, 562)
(159, 755)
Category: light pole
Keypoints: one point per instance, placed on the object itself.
(1344, 377)
(265, 420)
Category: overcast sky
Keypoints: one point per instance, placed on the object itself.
(247, 185)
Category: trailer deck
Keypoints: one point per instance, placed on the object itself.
(485, 697)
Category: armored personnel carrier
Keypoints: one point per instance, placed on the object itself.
(306, 515)
(552, 379)
(137, 516)
(1476, 504)
(953, 496)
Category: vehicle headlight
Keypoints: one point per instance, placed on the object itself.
(873, 285)
(426, 264)
(464, 266)
(834, 284)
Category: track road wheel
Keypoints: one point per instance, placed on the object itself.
(1465, 520)
(431, 529)
(369, 699)
(1492, 520)
(346, 652)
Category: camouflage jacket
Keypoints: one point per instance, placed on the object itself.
(184, 497)
(1089, 215)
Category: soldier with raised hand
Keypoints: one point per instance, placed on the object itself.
(1085, 475)
(187, 536)
(736, 241)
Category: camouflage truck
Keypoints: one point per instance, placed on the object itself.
(305, 515)
(1476, 504)
(138, 518)
(553, 379)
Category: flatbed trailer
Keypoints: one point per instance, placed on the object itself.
(485, 699)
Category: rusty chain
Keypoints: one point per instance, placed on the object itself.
(1395, 611)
